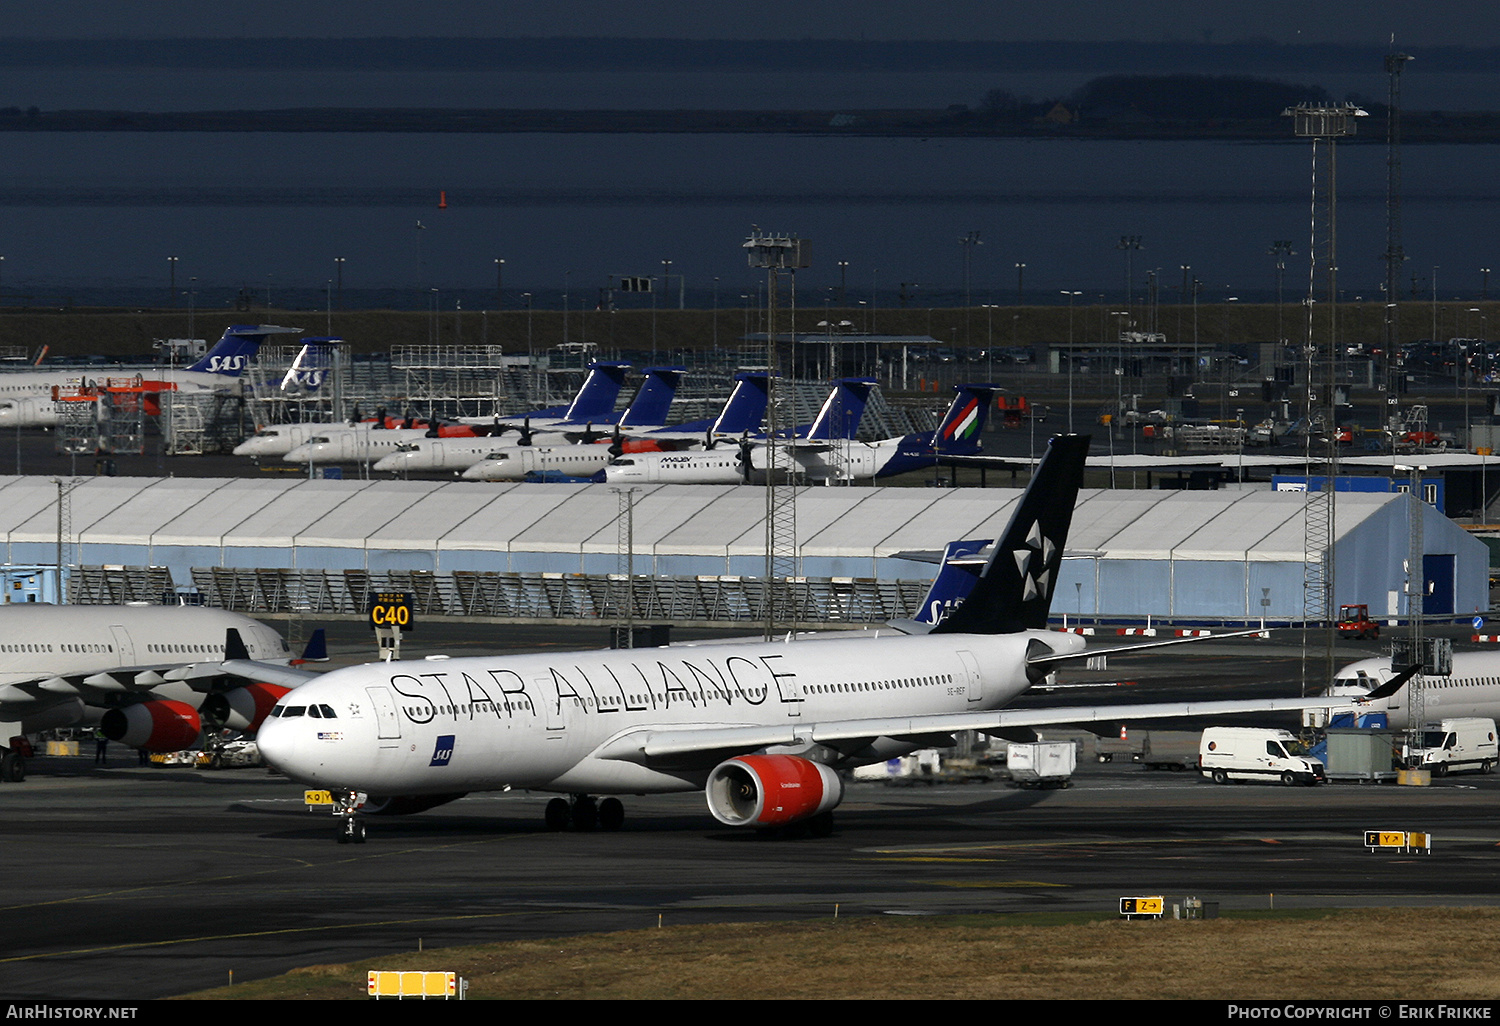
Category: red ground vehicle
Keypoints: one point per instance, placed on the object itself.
(1355, 622)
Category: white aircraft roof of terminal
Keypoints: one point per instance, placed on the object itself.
(350, 519)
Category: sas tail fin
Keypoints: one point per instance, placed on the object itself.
(1014, 591)
(954, 582)
(236, 348)
(653, 400)
(842, 410)
(595, 400)
(311, 367)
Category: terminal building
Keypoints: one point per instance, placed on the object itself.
(1227, 555)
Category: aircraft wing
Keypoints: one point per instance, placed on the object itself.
(647, 745)
(200, 676)
(1052, 659)
(237, 663)
(46, 689)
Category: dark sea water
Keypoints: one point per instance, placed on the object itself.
(93, 218)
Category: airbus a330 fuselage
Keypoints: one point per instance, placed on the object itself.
(570, 725)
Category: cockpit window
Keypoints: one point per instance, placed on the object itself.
(326, 710)
(288, 711)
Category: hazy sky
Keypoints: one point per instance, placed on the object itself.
(1428, 23)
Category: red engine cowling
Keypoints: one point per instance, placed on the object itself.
(161, 725)
(243, 708)
(770, 790)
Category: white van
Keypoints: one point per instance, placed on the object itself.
(1452, 746)
(1256, 753)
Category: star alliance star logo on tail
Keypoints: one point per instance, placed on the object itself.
(1038, 586)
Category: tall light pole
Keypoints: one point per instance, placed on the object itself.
(1129, 243)
(338, 266)
(171, 280)
(1071, 296)
(1280, 249)
(968, 242)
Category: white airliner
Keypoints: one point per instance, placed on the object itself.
(743, 411)
(29, 394)
(824, 455)
(1472, 689)
(595, 401)
(762, 728)
(144, 672)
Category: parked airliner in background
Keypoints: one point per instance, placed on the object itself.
(650, 407)
(762, 728)
(1472, 689)
(28, 396)
(144, 672)
(821, 456)
(595, 399)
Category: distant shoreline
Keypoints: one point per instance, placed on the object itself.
(959, 122)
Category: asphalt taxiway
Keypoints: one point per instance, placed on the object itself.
(132, 882)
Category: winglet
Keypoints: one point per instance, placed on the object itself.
(316, 650)
(1395, 684)
(234, 645)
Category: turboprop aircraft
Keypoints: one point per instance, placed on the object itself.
(761, 728)
(595, 401)
(825, 454)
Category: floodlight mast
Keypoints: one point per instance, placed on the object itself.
(1327, 123)
(777, 253)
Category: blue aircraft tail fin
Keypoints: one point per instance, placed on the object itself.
(745, 410)
(842, 410)
(595, 400)
(311, 367)
(959, 431)
(236, 348)
(653, 400)
(955, 579)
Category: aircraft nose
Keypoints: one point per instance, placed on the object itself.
(284, 750)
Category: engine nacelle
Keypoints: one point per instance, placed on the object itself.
(770, 790)
(243, 709)
(160, 725)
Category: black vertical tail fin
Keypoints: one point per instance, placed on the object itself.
(1014, 591)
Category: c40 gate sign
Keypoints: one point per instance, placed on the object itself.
(391, 609)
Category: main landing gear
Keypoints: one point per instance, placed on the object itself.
(581, 812)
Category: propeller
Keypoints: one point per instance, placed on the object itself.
(525, 435)
(744, 458)
(617, 445)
